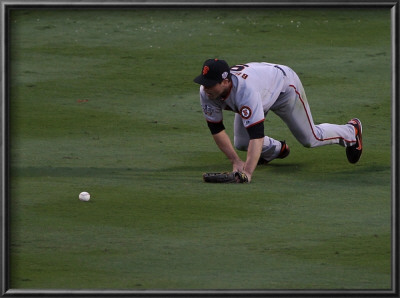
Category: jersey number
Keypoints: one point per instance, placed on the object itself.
(239, 68)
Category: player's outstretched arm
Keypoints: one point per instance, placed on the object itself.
(225, 145)
(253, 155)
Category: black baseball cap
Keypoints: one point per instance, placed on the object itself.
(214, 71)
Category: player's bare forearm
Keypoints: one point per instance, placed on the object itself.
(225, 145)
(253, 155)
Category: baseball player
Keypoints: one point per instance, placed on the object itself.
(251, 90)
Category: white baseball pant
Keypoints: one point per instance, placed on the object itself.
(293, 108)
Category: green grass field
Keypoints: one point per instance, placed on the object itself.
(103, 101)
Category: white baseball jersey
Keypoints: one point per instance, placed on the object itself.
(255, 88)
(259, 87)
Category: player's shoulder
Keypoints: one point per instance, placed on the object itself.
(260, 64)
(252, 67)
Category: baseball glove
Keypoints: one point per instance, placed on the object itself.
(226, 177)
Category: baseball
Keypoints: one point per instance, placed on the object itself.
(84, 196)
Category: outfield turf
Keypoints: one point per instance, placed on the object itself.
(103, 101)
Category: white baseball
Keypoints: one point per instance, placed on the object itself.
(84, 196)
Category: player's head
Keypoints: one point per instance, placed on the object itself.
(213, 72)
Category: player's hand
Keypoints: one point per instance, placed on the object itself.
(248, 176)
(238, 166)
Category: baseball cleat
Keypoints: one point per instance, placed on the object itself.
(285, 150)
(353, 152)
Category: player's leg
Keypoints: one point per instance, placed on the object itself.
(271, 147)
(292, 107)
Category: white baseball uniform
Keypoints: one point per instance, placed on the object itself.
(260, 87)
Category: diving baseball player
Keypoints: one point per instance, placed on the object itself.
(251, 90)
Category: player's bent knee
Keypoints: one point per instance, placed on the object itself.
(241, 146)
(307, 142)
(313, 144)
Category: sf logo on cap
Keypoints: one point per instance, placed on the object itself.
(205, 70)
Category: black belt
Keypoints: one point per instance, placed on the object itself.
(278, 67)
